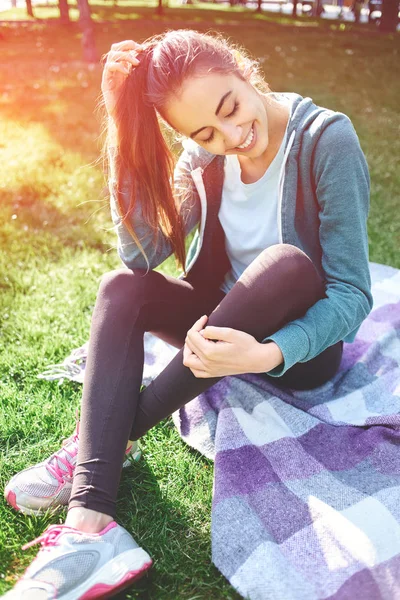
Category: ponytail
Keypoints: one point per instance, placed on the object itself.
(145, 158)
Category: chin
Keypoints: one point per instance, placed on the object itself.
(257, 152)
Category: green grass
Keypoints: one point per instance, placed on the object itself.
(56, 242)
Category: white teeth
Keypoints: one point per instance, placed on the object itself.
(248, 141)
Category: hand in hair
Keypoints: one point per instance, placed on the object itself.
(118, 63)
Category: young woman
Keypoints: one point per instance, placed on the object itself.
(276, 278)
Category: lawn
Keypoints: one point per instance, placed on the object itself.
(56, 242)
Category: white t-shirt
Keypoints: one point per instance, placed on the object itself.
(249, 214)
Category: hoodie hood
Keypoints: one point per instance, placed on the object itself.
(306, 118)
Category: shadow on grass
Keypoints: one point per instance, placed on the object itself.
(163, 526)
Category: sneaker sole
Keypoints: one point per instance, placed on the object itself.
(11, 497)
(116, 575)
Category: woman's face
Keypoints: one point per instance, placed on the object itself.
(222, 113)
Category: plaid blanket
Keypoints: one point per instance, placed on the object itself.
(306, 499)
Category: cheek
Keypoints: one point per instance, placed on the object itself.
(214, 147)
(263, 126)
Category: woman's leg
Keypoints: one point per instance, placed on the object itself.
(128, 304)
(279, 286)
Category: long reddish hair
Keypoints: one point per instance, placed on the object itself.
(143, 162)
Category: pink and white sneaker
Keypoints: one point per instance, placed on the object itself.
(72, 565)
(47, 485)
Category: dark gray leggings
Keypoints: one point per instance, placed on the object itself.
(279, 286)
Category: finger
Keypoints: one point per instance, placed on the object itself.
(189, 355)
(114, 67)
(188, 346)
(186, 354)
(126, 45)
(222, 334)
(198, 344)
(200, 374)
(199, 324)
(193, 362)
(113, 57)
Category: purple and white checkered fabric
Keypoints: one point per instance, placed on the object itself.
(306, 502)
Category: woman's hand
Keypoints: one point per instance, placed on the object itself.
(221, 351)
(119, 61)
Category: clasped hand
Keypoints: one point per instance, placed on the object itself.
(220, 351)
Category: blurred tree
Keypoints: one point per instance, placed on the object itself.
(390, 16)
(159, 9)
(317, 8)
(294, 11)
(29, 8)
(64, 12)
(356, 8)
(88, 42)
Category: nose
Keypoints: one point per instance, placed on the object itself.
(232, 135)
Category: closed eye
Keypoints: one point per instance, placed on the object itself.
(234, 111)
(209, 139)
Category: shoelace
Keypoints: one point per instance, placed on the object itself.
(54, 468)
(52, 465)
(73, 367)
(50, 536)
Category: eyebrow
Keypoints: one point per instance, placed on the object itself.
(220, 105)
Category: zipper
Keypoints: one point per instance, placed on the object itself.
(280, 186)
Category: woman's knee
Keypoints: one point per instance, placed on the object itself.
(122, 285)
(293, 265)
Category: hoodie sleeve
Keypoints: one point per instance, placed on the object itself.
(156, 253)
(342, 188)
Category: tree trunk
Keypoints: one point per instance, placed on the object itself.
(13, 3)
(294, 12)
(318, 9)
(86, 24)
(389, 19)
(159, 9)
(29, 8)
(259, 6)
(64, 12)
